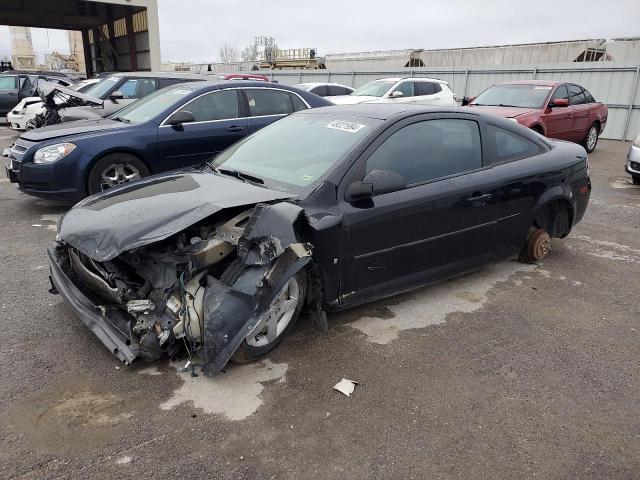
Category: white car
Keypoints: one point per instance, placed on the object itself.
(29, 107)
(326, 89)
(421, 91)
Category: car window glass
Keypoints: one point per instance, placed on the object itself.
(297, 103)
(214, 106)
(406, 88)
(430, 149)
(560, 93)
(588, 97)
(427, 88)
(268, 102)
(7, 82)
(321, 90)
(511, 146)
(576, 95)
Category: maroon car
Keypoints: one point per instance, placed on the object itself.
(556, 109)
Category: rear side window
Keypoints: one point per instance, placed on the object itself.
(431, 149)
(511, 146)
(588, 97)
(321, 90)
(268, 102)
(337, 90)
(214, 106)
(427, 88)
(576, 95)
(297, 103)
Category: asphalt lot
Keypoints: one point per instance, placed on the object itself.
(517, 371)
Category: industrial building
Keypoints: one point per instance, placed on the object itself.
(116, 34)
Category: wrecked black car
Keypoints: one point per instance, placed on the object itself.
(323, 210)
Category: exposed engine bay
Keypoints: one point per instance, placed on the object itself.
(195, 294)
(54, 98)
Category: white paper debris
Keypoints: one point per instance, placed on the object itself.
(345, 386)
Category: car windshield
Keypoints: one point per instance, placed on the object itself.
(152, 105)
(377, 88)
(295, 153)
(100, 89)
(524, 96)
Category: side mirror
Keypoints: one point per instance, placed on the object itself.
(181, 117)
(396, 94)
(376, 182)
(115, 96)
(559, 102)
(467, 100)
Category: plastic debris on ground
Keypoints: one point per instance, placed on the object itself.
(345, 386)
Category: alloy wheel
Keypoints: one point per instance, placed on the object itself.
(274, 320)
(117, 174)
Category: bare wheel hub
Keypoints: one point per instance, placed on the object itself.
(117, 174)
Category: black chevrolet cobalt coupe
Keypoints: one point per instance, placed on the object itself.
(323, 210)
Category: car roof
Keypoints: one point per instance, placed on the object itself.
(544, 83)
(318, 84)
(213, 84)
(418, 79)
(380, 111)
(188, 76)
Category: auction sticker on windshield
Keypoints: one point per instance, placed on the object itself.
(344, 126)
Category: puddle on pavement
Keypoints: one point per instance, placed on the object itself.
(74, 415)
(431, 305)
(234, 393)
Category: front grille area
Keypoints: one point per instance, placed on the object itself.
(16, 148)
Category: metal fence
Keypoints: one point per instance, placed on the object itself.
(611, 83)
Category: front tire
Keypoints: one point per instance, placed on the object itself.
(275, 322)
(113, 170)
(591, 139)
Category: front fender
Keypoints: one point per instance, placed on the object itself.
(271, 253)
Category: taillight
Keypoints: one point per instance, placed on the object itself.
(583, 190)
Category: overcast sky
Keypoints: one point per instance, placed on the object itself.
(192, 30)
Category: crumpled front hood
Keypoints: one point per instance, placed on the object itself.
(46, 89)
(506, 112)
(144, 212)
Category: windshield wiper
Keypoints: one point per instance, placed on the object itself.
(240, 175)
(121, 119)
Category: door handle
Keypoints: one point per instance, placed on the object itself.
(235, 128)
(480, 198)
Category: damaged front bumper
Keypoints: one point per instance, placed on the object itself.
(110, 334)
(269, 253)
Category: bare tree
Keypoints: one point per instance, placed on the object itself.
(228, 53)
(249, 53)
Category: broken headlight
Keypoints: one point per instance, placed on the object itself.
(53, 153)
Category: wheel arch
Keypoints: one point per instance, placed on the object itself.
(554, 213)
(538, 127)
(101, 155)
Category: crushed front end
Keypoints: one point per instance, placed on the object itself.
(194, 294)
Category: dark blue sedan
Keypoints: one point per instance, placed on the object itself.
(175, 127)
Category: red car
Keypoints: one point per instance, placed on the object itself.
(555, 109)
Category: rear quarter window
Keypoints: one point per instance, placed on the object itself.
(509, 146)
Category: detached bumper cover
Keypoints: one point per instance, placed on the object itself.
(92, 316)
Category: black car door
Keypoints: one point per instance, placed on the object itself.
(441, 224)
(218, 124)
(8, 93)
